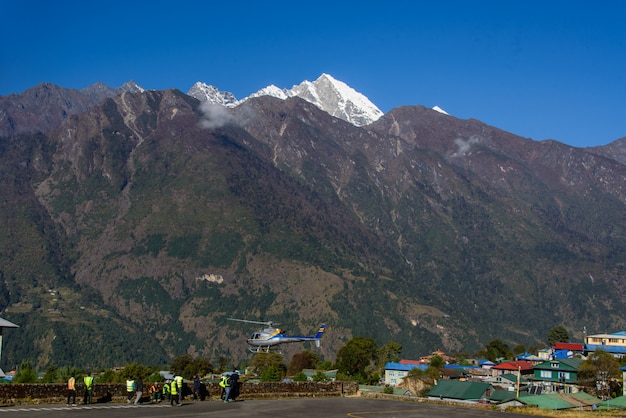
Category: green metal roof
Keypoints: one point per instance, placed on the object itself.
(560, 400)
(565, 364)
(454, 389)
(513, 377)
(617, 403)
(502, 395)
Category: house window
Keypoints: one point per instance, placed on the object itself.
(563, 376)
(546, 374)
(554, 365)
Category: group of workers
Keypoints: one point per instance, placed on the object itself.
(171, 390)
(71, 390)
(230, 386)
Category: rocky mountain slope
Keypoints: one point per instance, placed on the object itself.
(151, 218)
(46, 106)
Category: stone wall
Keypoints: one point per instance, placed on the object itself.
(11, 393)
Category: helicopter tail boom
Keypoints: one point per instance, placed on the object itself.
(319, 334)
(320, 331)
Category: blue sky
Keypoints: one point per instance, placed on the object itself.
(540, 69)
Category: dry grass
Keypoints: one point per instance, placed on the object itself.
(566, 414)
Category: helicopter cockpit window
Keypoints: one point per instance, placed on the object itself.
(255, 336)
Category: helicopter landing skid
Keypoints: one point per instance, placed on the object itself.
(257, 350)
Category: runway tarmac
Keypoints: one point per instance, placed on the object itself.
(354, 407)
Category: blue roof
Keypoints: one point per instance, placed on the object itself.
(392, 365)
(562, 354)
(608, 348)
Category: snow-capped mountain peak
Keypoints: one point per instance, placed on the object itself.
(331, 95)
(440, 110)
(270, 90)
(211, 94)
(338, 99)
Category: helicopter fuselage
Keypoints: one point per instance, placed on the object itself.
(268, 338)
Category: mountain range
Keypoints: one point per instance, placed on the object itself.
(135, 222)
(332, 96)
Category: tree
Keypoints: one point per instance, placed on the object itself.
(325, 365)
(51, 375)
(496, 349)
(388, 352)
(427, 377)
(300, 377)
(107, 376)
(558, 334)
(187, 366)
(135, 370)
(437, 362)
(263, 361)
(178, 365)
(198, 366)
(221, 364)
(519, 349)
(599, 370)
(301, 361)
(320, 377)
(355, 358)
(25, 373)
(271, 374)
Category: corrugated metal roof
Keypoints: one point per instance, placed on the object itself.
(502, 395)
(617, 349)
(514, 365)
(454, 389)
(617, 403)
(513, 377)
(566, 364)
(561, 400)
(569, 346)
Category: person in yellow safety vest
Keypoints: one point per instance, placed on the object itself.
(87, 397)
(174, 393)
(71, 391)
(179, 384)
(130, 389)
(225, 385)
(166, 390)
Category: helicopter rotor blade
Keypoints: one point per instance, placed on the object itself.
(268, 323)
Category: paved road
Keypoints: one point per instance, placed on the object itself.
(288, 408)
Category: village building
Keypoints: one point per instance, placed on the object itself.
(395, 372)
(611, 343)
(521, 367)
(458, 391)
(557, 375)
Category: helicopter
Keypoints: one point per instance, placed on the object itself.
(268, 339)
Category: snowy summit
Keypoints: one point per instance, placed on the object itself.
(440, 110)
(338, 99)
(331, 95)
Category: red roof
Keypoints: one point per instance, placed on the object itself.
(411, 362)
(515, 365)
(569, 346)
